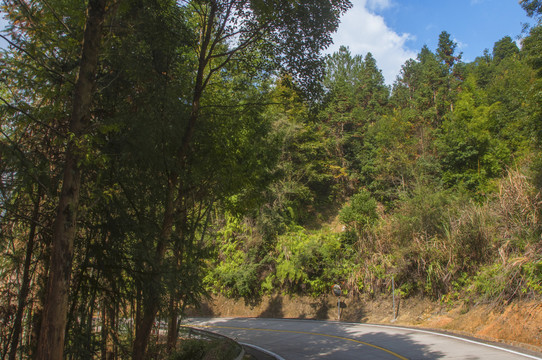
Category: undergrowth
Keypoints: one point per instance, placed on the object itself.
(436, 243)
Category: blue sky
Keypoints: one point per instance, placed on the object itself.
(395, 30)
(2, 26)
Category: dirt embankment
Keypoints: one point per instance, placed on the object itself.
(518, 323)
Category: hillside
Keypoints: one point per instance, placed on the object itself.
(435, 182)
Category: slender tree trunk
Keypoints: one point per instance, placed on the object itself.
(151, 303)
(143, 332)
(104, 330)
(112, 331)
(173, 328)
(53, 327)
(27, 331)
(151, 292)
(25, 286)
(37, 314)
(172, 324)
(109, 321)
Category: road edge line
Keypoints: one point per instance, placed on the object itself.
(452, 337)
(270, 353)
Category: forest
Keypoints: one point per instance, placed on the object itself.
(156, 153)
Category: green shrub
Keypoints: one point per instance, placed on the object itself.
(202, 349)
(310, 263)
(425, 213)
(360, 212)
(533, 277)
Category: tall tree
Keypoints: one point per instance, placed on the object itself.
(29, 170)
(342, 81)
(504, 48)
(470, 155)
(532, 48)
(446, 50)
(52, 334)
(356, 97)
(280, 34)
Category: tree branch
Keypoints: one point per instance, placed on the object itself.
(35, 59)
(31, 117)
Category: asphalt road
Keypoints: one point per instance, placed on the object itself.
(309, 339)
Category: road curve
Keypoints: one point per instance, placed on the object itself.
(309, 339)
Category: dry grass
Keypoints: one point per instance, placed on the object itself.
(496, 243)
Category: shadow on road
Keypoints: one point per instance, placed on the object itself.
(311, 340)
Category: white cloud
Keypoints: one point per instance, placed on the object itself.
(460, 45)
(364, 31)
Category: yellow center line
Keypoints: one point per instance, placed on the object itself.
(306, 333)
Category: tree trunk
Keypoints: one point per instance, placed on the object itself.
(151, 292)
(151, 304)
(53, 327)
(37, 314)
(172, 324)
(25, 286)
(174, 296)
(112, 331)
(109, 323)
(104, 330)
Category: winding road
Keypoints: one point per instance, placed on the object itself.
(310, 339)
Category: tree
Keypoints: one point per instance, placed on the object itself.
(423, 98)
(51, 341)
(355, 98)
(30, 164)
(302, 179)
(532, 7)
(425, 85)
(446, 50)
(48, 66)
(275, 35)
(360, 213)
(506, 94)
(482, 69)
(504, 48)
(470, 149)
(531, 48)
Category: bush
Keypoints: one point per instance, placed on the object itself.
(203, 349)
(360, 213)
(425, 213)
(310, 263)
